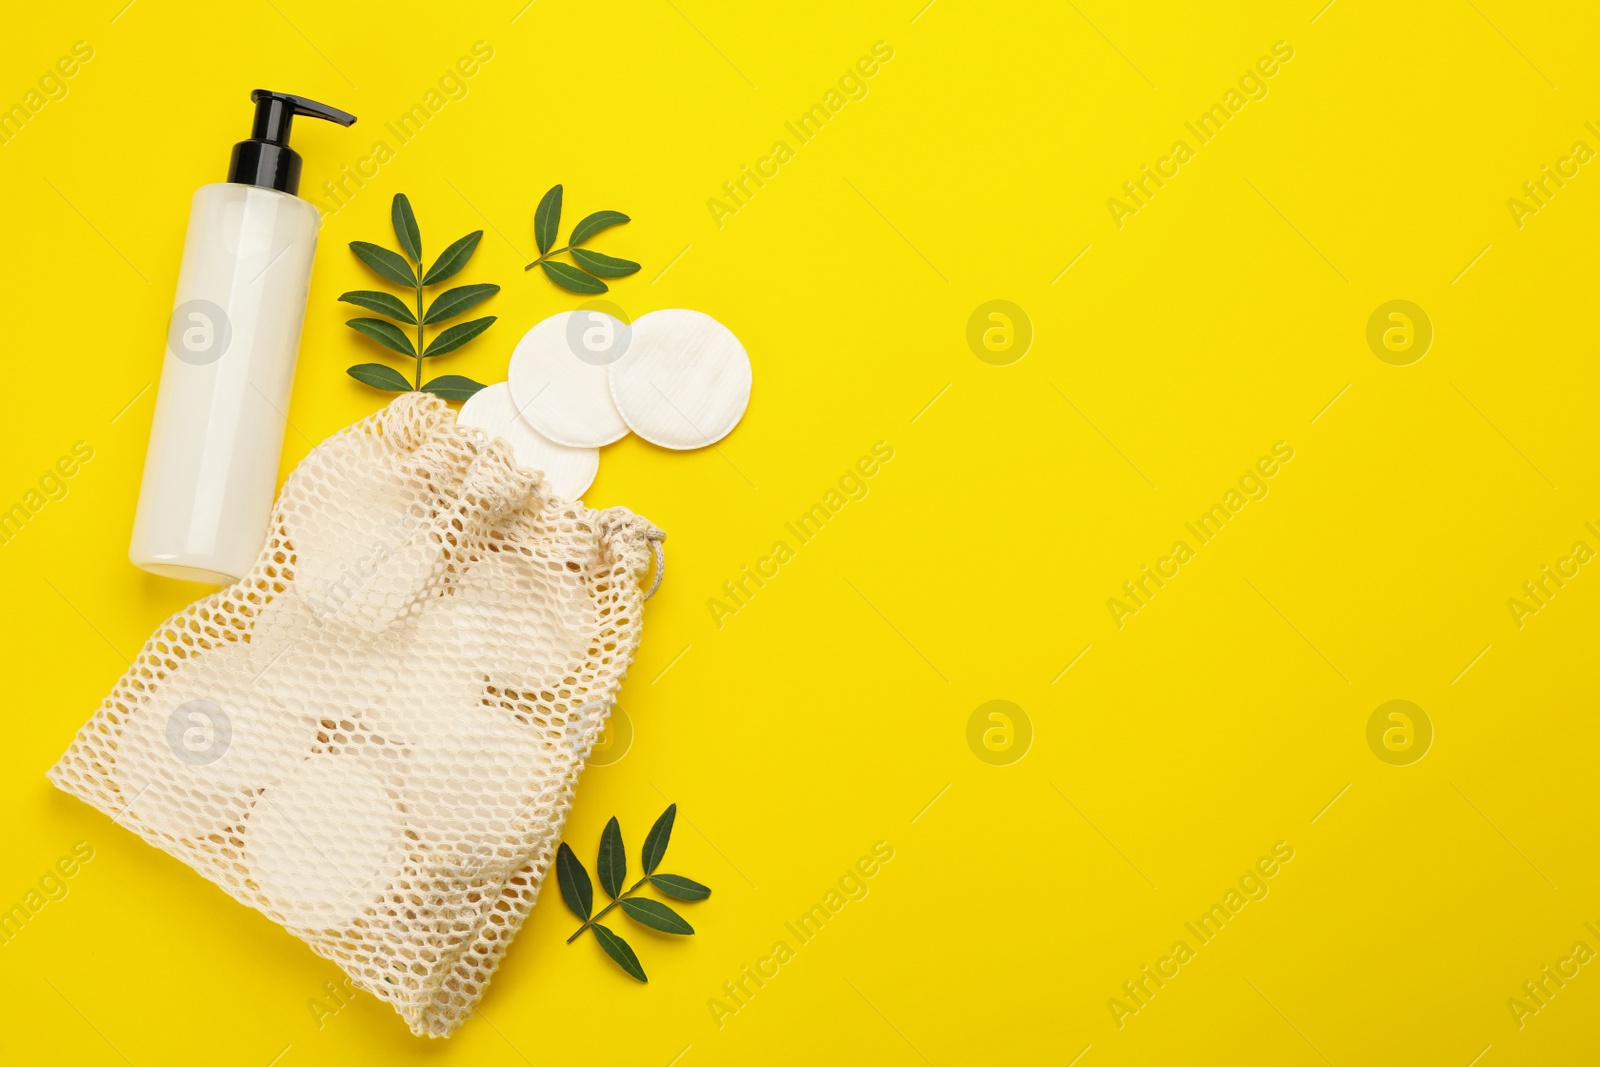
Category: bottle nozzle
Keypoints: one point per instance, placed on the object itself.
(266, 159)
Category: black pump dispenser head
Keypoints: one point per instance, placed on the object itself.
(266, 158)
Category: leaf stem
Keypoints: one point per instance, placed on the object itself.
(419, 326)
(598, 915)
(547, 255)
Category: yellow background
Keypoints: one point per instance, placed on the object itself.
(831, 710)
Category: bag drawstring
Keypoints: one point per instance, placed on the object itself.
(616, 522)
(658, 548)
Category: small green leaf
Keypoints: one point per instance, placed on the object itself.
(593, 224)
(457, 335)
(605, 266)
(452, 259)
(382, 303)
(391, 265)
(576, 889)
(452, 302)
(619, 951)
(452, 387)
(379, 377)
(386, 334)
(656, 915)
(547, 219)
(571, 278)
(678, 887)
(612, 866)
(405, 227)
(655, 842)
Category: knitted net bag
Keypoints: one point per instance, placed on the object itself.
(373, 737)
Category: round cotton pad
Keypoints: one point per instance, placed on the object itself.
(325, 843)
(189, 758)
(561, 394)
(568, 471)
(471, 776)
(684, 381)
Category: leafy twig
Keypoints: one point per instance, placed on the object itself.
(601, 914)
(407, 270)
(591, 266)
(612, 868)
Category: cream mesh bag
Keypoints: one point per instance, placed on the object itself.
(374, 736)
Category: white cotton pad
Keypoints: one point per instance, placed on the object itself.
(472, 776)
(482, 648)
(324, 844)
(562, 394)
(568, 471)
(367, 557)
(191, 756)
(684, 381)
(333, 544)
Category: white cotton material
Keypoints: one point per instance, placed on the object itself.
(569, 471)
(407, 707)
(377, 558)
(684, 381)
(561, 391)
(189, 761)
(326, 841)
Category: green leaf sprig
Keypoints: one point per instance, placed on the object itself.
(591, 266)
(408, 270)
(612, 868)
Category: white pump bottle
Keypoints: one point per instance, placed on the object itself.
(232, 342)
